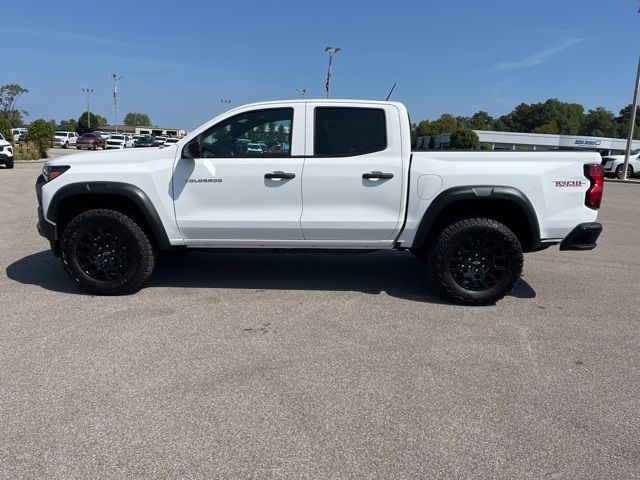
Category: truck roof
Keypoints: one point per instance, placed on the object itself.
(328, 101)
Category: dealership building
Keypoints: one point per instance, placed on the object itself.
(155, 131)
(535, 142)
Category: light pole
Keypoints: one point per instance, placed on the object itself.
(115, 97)
(634, 110)
(88, 92)
(302, 92)
(331, 51)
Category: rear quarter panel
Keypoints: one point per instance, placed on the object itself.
(554, 183)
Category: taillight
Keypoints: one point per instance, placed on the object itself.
(594, 173)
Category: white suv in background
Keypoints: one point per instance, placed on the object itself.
(17, 132)
(65, 139)
(614, 165)
(6, 153)
(120, 141)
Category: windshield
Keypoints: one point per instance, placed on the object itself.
(117, 137)
(61, 134)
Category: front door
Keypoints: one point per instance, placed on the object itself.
(238, 182)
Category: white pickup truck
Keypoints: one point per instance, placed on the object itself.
(332, 174)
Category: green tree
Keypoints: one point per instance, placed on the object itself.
(526, 118)
(40, 132)
(5, 128)
(550, 127)
(9, 95)
(481, 121)
(622, 123)
(423, 128)
(135, 119)
(447, 123)
(70, 125)
(464, 138)
(599, 123)
(97, 121)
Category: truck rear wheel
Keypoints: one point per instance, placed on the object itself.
(475, 261)
(107, 252)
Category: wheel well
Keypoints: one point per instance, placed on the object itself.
(506, 212)
(73, 206)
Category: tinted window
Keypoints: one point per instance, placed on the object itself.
(259, 133)
(342, 132)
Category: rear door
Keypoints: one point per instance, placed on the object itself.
(229, 194)
(353, 175)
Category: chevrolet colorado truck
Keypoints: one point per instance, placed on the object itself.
(334, 174)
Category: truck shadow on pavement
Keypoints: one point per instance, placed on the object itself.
(398, 274)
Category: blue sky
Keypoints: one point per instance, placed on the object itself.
(180, 58)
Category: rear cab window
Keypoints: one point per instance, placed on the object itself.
(348, 131)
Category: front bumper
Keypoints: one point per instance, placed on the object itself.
(583, 237)
(45, 229)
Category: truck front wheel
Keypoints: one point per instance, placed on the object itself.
(475, 261)
(107, 252)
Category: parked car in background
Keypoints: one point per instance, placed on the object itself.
(613, 165)
(119, 141)
(103, 135)
(18, 133)
(254, 148)
(92, 141)
(6, 153)
(146, 141)
(161, 139)
(65, 139)
(171, 140)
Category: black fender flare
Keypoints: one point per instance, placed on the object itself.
(478, 192)
(126, 190)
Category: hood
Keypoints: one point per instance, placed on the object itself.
(115, 157)
(4, 143)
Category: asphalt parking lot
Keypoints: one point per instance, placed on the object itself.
(266, 365)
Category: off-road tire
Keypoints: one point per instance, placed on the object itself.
(445, 253)
(9, 164)
(140, 252)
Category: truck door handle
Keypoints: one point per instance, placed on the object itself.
(279, 175)
(377, 175)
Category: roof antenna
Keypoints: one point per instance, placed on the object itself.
(390, 91)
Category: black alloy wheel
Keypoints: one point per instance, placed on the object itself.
(105, 254)
(475, 261)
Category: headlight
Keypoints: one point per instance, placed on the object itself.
(51, 173)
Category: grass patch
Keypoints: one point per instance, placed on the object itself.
(25, 151)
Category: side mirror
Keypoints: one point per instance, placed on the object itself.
(192, 150)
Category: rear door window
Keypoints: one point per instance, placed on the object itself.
(348, 131)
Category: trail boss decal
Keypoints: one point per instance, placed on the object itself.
(568, 183)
